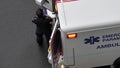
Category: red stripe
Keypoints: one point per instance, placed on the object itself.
(59, 1)
(69, 0)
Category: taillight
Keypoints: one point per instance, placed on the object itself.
(71, 35)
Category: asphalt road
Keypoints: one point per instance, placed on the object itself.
(18, 48)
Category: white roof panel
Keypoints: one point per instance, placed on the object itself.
(84, 14)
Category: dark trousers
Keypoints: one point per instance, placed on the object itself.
(39, 36)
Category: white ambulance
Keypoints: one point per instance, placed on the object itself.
(86, 33)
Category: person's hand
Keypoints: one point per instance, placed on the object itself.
(34, 18)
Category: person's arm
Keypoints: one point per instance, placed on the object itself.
(48, 19)
(35, 20)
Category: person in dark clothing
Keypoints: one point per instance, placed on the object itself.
(43, 26)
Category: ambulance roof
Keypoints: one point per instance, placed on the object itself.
(86, 14)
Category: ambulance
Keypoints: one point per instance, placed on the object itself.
(86, 33)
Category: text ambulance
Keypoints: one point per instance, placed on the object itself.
(86, 33)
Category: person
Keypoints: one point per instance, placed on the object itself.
(43, 26)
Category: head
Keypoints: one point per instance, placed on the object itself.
(39, 12)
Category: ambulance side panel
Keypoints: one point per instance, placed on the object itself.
(93, 48)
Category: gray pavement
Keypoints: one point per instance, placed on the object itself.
(18, 48)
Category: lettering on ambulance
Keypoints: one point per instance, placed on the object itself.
(111, 37)
(104, 38)
(108, 45)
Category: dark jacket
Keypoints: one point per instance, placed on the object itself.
(42, 23)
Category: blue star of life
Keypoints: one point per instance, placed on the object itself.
(91, 40)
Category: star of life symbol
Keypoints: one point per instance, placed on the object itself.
(91, 40)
